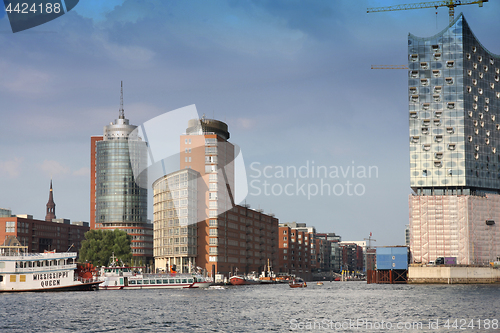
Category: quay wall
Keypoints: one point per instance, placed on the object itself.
(453, 275)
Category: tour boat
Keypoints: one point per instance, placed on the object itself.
(49, 271)
(122, 277)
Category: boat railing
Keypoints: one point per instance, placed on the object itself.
(46, 268)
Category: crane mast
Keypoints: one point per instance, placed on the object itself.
(451, 4)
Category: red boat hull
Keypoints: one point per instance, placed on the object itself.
(237, 280)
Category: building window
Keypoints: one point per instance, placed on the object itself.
(285, 238)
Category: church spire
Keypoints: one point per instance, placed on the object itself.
(51, 206)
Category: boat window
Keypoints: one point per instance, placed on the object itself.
(1, 278)
(139, 281)
(145, 281)
(158, 281)
(165, 281)
(131, 282)
(171, 281)
(177, 280)
(190, 280)
(184, 280)
(2, 264)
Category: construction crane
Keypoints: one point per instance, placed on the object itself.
(389, 67)
(451, 4)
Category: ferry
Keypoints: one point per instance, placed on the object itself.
(50, 271)
(122, 277)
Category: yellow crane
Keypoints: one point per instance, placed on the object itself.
(451, 4)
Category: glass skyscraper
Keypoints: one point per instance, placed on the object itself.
(454, 96)
(454, 99)
(120, 197)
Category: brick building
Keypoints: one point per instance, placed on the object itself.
(196, 222)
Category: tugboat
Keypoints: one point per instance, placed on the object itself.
(48, 271)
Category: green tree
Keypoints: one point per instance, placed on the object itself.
(99, 245)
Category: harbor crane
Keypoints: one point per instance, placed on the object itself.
(451, 4)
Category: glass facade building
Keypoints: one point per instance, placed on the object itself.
(175, 220)
(120, 196)
(454, 95)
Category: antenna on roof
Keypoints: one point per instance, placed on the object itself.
(122, 112)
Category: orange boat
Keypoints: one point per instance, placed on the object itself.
(237, 280)
(297, 284)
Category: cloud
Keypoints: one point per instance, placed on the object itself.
(82, 172)
(246, 123)
(12, 167)
(54, 168)
(30, 82)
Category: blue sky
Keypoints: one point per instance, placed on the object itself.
(291, 78)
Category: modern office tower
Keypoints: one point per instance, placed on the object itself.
(51, 206)
(120, 196)
(230, 238)
(454, 99)
(175, 238)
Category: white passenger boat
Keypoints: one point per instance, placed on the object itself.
(51, 271)
(122, 277)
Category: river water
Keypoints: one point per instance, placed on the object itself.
(333, 307)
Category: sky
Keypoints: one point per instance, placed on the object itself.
(292, 80)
